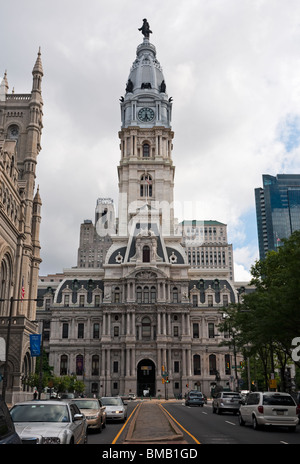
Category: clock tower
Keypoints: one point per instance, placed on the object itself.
(146, 171)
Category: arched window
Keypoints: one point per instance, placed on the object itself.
(63, 364)
(95, 365)
(146, 150)
(212, 364)
(153, 295)
(79, 364)
(117, 295)
(146, 186)
(146, 328)
(197, 364)
(146, 254)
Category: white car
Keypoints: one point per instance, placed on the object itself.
(269, 408)
(116, 409)
(49, 422)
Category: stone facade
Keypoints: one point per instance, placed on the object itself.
(148, 313)
(20, 215)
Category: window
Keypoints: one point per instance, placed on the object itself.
(116, 367)
(210, 300)
(146, 150)
(146, 254)
(139, 295)
(212, 364)
(80, 332)
(175, 331)
(176, 366)
(79, 364)
(146, 186)
(81, 300)
(146, 328)
(65, 330)
(211, 330)
(195, 330)
(66, 300)
(153, 294)
(97, 300)
(96, 330)
(95, 365)
(175, 295)
(63, 364)
(117, 295)
(225, 300)
(197, 365)
(116, 331)
(146, 295)
(195, 301)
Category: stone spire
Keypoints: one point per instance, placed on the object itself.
(4, 87)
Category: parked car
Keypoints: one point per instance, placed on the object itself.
(269, 408)
(116, 409)
(296, 396)
(8, 434)
(129, 396)
(94, 412)
(194, 398)
(226, 402)
(49, 422)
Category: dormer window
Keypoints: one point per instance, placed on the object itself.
(146, 254)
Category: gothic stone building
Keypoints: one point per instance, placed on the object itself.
(20, 216)
(148, 313)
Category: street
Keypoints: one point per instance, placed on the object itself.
(200, 425)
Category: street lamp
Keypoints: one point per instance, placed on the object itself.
(5, 371)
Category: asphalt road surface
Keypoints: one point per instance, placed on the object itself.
(201, 426)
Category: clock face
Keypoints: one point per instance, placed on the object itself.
(146, 114)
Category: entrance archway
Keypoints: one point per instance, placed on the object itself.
(146, 378)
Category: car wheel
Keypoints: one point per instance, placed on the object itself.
(241, 420)
(292, 429)
(219, 411)
(214, 409)
(104, 424)
(254, 423)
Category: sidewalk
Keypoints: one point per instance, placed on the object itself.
(151, 424)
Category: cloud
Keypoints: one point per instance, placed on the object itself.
(231, 67)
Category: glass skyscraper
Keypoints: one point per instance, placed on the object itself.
(277, 210)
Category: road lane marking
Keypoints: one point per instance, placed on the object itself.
(120, 431)
(195, 439)
(231, 423)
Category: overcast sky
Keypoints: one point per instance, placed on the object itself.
(232, 68)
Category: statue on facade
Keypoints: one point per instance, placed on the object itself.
(145, 28)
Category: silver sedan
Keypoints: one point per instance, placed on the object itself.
(49, 422)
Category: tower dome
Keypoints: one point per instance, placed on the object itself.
(146, 102)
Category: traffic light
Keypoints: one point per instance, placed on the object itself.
(167, 379)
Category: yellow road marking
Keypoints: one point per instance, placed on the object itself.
(195, 439)
(120, 431)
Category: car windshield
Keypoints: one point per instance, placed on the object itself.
(40, 413)
(87, 404)
(196, 394)
(278, 400)
(112, 401)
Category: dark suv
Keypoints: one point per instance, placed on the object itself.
(8, 435)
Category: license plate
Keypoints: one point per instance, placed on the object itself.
(279, 413)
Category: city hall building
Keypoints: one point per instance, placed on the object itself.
(144, 303)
